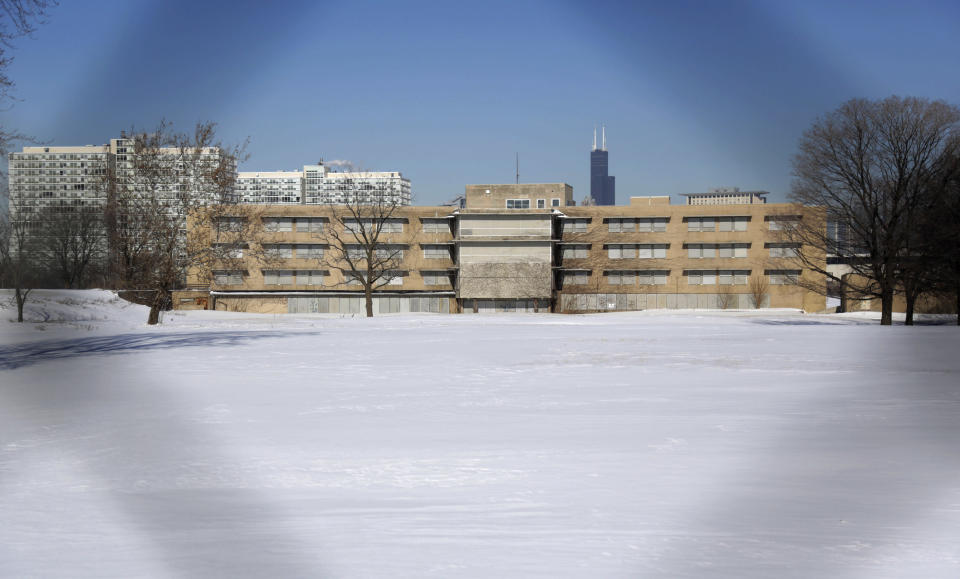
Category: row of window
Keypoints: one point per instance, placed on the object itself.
(308, 277)
(659, 224)
(525, 203)
(316, 224)
(694, 250)
(694, 277)
(637, 250)
(640, 224)
(316, 251)
(737, 223)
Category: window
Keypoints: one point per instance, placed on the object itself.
(381, 251)
(518, 204)
(284, 251)
(541, 203)
(783, 249)
(621, 251)
(783, 222)
(722, 250)
(309, 251)
(436, 278)
(574, 225)
(392, 226)
(386, 226)
(652, 277)
(277, 224)
(620, 277)
(575, 277)
(278, 277)
(714, 277)
(436, 226)
(575, 251)
(229, 251)
(707, 224)
(732, 277)
(312, 277)
(651, 224)
(222, 277)
(309, 225)
(231, 224)
(554, 203)
(652, 251)
(783, 276)
(390, 277)
(389, 252)
(436, 252)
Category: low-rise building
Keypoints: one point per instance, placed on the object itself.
(528, 247)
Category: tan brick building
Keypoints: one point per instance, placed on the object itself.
(527, 247)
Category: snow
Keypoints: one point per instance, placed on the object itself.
(643, 444)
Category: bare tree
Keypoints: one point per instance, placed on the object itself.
(940, 233)
(759, 290)
(18, 268)
(18, 18)
(159, 181)
(358, 243)
(71, 244)
(726, 299)
(867, 166)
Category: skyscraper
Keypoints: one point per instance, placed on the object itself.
(602, 185)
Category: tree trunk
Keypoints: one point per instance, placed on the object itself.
(21, 299)
(368, 297)
(886, 306)
(842, 308)
(911, 299)
(957, 290)
(156, 306)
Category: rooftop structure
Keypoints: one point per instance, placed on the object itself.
(726, 196)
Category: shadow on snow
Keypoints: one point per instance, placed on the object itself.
(12, 357)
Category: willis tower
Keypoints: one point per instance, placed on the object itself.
(602, 185)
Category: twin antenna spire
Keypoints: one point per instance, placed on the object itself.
(603, 133)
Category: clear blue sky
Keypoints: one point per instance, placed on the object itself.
(694, 94)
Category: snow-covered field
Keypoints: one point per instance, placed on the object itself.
(646, 444)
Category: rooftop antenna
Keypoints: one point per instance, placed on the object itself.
(603, 128)
(594, 137)
(518, 168)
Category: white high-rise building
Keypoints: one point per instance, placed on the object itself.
(316, 185)
(270, 187)
(58, 180)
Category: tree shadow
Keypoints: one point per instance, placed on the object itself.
(12, 357)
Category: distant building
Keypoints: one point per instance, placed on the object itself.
(316, 185)
(271, 187)
(726, 196)
(603, 188)
(49, 183)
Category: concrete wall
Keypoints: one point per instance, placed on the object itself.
(505, 280)
(495, 196)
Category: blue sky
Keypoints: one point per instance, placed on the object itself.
(694, 94)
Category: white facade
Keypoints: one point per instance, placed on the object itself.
(324, 188)
(58, 179)
(46, 183)
(315, 185)
(274, 187)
